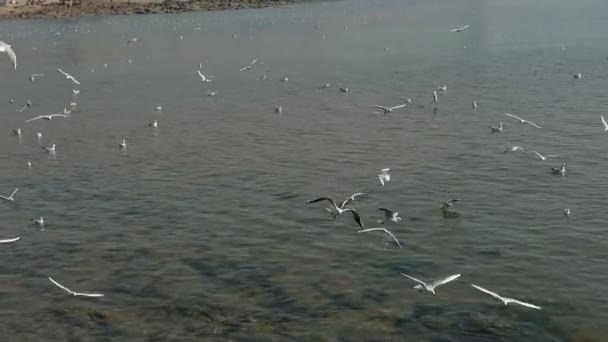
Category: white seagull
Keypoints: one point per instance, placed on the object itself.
(443, 88)
(523, 121)
(344, 203)
(390, 109)
(605, 123)
(11, 197)
(513, 149)
(431, 286)
(384, 230)
(123, 144)
(68, 76)
(10, 240)
(48, 117)
(76, 91)
(559, 171)
(384, 176)
(474, 104)
(391, 215)
(340, 210)
(39, 221)
(435, 98)
(153, 124)
(459, 28)
(39, 135)
(17, 132)
(159, 108)
(205, 79)
(248, 67)
(75, 294)
(567, 212)
(578, 76)
(543, 158)
(506, 300)
(6, 48)
(50, 149)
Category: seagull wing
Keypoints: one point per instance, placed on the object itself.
(384, 230)
(539, 155)
(63, 72)
(515, 301)
(84, 294)
(381, 179)
(414, 279)
(605, 123)
(445, 280)
(245, 68)
(388, 213)
(10, 52)
(61, 286)
(329, 199)
(201, 75)
(74, 80)
(514, 116)
(531, 123)
(356, 217)
(493, 294)
(36, 118)
(10, 240)
(383, 108)
(253, 62)
(62, 115)
(6, 198)
(397, 107)
(353, 196)
(14, 192)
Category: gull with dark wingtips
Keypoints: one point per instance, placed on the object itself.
(506, 300)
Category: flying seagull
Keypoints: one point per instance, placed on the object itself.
(48, 117)
(68, 76)
(6, 48)
(344, 203)
(10, 240)
(205, 79)
(11, 197)
(506, 300)
(513, 149)
(605, 123)
(431, 286)
(75, 294)
(522, 120)
(543, 158)
(384, 176)
(338, 209)
(443, 89)
(460, 28)
(391, 215)
(387, 110)
(382, 229)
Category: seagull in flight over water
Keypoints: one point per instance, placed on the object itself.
(339, 209)
(523, 121)
(390, 109)
(10, 198)
(48, 117)
(206, 79)
(513, 149)
(6, 48)
(506, 300)
(384, 230)
(68, 76)
(384, 176)
(73, 293)
(605, 123)
(543, 158)
(460, 28)
(431, 286)
(344, 203)
(389, 214)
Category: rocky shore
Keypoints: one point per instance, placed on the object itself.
(91, 8)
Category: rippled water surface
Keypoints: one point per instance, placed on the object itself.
(200, 231)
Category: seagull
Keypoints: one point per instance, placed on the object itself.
(76, 91)
(278, 110)
(68, 76)
(159, 109)
(48, 117)
(11, 197)
(522, 120)
(285, 79)
(559, 171)
(325, 86)
(29, 165)
(497, 129)
(444, 89)
(567, 212)
(384, 176)
(39, 135)
(49, 149)
(212, 93)
(6, 48)
(344, 203)
(431, 286)
(204, 78)
(248, 67)
(123, 145)
(10, 240)
(391, 215)
(75, 294)
(384, 230)
(339, 209)
(505, 300)
(543, 158)
(39, 221)
(578, 76)
(435, 99)
(344, 89)
(446, 211)
(605, 124)
(17, 132)
(390, 109)
(460, 28)
(153, 124)
(474, 104)
(513, 149)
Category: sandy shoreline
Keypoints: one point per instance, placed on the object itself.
(90, 9)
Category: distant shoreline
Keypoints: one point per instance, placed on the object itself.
(100, 9)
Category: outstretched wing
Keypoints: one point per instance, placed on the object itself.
(10, 52)
(399, 106)
(604, 122)
(61, 286)
(514, 116)
(329, 199)
(36, 118)
(84, 294)
(350, 199)
(10, 240)
(356, 217)
(414, 279)
(14, 192)
(515, 301)
(493, 294)
(531, 123)
(445, 280)
(382, 107)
